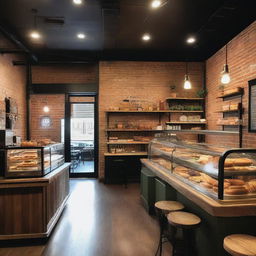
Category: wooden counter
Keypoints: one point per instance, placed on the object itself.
(211, 206)
(30, 207)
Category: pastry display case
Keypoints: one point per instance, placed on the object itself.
(219, 172)
(57, 155)
(31, 161)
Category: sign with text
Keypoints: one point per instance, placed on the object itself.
(45, 122)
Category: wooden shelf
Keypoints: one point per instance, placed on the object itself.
(207, 132)
(155, 111)
(133, 130)
(127, 154)
(138, 111)
(180, 98)
(238, 93)
(228, 124)
(227, 111)
(189, 122)
(128, 143)
(186, 111)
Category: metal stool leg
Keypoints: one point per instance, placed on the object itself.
(161, 219)
(189, 249)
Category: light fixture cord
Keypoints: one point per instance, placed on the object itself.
(226, 54)
(35, 23)
(186, 68)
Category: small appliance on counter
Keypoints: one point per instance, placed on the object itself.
(6, 138)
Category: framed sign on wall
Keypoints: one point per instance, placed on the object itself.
(45, 122)
(252, 106)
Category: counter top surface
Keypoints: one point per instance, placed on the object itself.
(45, 178)
(213, 207)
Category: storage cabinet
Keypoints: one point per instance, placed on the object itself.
(147, 189)
(121, 169)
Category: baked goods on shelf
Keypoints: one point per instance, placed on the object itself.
(37, 143)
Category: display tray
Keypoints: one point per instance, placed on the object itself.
(191, 162)
(206, 191)
(209, 192)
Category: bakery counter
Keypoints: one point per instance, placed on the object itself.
(30, 207)
(220, 218)
(224, 208)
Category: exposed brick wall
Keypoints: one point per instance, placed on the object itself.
(56, 103)
(65, 74)
(242, 65)
(13, 84)
(145, 80)
(54, 75)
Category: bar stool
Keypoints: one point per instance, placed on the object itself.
(162, 209)
(188, 222)
(240, 245)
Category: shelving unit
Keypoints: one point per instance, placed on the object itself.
(121, 167)
(182, 102)
(149, 132)
(237, 95)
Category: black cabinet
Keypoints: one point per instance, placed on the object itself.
(122, 169)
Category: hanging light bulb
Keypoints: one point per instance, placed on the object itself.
(225, 77)
(35, 35)
(156, 3)
(187, 83)
(46, 109)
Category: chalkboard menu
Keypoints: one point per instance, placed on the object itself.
(252, 106)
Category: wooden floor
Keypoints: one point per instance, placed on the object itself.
(99, 220)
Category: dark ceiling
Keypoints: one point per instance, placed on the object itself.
(114, 28)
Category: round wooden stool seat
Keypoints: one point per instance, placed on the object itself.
(169, 206)
(240, 245)
(183, 219)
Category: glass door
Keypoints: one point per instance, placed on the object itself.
(81, 142)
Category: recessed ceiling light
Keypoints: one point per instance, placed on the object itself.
(191, 40)
(77, 2)
(81, 36)
(146, 37)
(35, 35)
(156, 3)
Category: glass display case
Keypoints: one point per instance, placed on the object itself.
(31, 161)
(57, 155)
(218, 172)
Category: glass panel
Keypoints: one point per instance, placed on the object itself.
(47, 159)
(23, 160)
(82, 137)
(57, 155)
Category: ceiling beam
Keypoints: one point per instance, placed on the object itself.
(13, 38)
(11, 51)
(46, 63)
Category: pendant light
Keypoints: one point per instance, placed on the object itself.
(225, 77)
(187, 83)
(35, 34)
